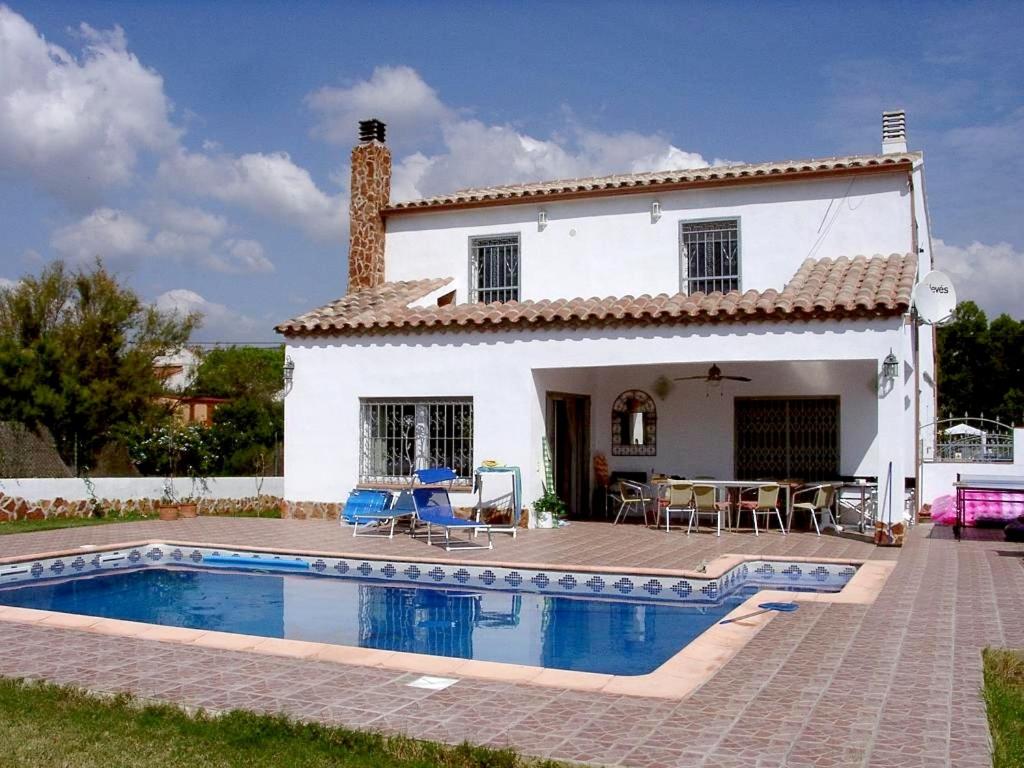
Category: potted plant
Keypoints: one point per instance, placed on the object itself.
(548, 510)
(167, 507)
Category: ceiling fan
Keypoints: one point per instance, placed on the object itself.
(714, 376)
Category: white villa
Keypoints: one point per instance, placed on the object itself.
(466, 335)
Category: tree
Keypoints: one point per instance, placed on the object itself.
(76, 355)
(981, 365)
(246, 430)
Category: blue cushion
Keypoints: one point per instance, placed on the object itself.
(364, 502)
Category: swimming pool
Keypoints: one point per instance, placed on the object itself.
(609, 623)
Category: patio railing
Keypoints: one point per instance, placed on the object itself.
(967, 440)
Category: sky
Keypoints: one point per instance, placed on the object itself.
(202, 148)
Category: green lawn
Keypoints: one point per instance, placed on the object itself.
(46, 725)
(26, 526)
(1004, 697)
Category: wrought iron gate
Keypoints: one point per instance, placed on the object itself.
(787, 437)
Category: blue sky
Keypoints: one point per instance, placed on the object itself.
(202, 148)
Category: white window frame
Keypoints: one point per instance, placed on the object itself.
(489, 294)
(396, 437)
(722, 282)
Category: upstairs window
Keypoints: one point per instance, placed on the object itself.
(710, 256)
(494, 268)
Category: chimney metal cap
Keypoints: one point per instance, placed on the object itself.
(371, 130)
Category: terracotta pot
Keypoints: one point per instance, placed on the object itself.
(167, 511)
(187, 509)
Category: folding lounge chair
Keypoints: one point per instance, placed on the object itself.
(434, 507)
(371, 507)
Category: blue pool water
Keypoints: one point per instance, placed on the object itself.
(593, 635)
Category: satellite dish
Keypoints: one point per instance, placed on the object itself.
(934, 298)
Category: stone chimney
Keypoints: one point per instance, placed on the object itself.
(370, 192)
(894, 132)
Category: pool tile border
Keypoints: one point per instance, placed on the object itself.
(677, 678)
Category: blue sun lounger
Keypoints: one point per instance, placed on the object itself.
(433, 507)
(368, 507)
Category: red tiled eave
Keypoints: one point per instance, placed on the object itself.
(859, 287)
(663, 181)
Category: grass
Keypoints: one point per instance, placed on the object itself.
(48, 725)
(53, 523)
(1004, 698)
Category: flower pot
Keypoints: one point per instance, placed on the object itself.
(188, 509)
(543, 519)
(167, 511)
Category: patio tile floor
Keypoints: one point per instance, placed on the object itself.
(895, 683)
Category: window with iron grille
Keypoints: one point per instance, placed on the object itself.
(710, 256)
(494, 268)
(400, 435)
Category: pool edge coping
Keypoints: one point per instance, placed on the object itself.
(676, 678)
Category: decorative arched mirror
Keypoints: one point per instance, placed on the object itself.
(634, 424)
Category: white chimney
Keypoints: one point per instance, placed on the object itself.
(894, 132)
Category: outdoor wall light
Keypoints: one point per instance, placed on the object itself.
(655, 212)
(542, 220)
(890, 367)
(288, 374)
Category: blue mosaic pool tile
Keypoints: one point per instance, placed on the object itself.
(848, 572)
(596, 584)
(652, 587)
(155, 554)
(710, 590)
(134, 556)
(196, 556)
(488, 577)
(820, 573)
(514, 579)
(37, 569)
(78, 563)
(341, 567)
(624, 585)
(462, 576)
(682, 589)
(389, 570)
(365, 568)
(793, 571)
(319, 566)
(541, 580)
(176, 554)
(568, 581)
(57, 566)
(412, 573)
(765, 569)
(96, 562)
(437, 573)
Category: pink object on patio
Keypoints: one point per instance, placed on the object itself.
(981, 504)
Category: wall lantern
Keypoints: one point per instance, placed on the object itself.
(655, 212)
(288, 374)
(542, 220)
(890, 367)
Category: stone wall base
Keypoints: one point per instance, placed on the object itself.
(14, 508)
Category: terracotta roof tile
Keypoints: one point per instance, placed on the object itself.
(634, 182)
(821, 288)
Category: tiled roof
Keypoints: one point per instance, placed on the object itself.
(821, 288)
(642, 182)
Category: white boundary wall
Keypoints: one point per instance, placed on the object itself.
(125, 488)
(938, 478)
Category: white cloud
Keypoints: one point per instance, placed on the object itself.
(107, 233)
(240, 257)
(76, 126)
(267, 184)
(219, 322)
(396, 95)
(7, 283)
(473, 152)
(989, 275)
(188, 234)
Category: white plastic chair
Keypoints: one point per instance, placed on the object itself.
(820, 505)
(633, 497)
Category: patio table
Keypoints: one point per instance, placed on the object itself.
(736, 486)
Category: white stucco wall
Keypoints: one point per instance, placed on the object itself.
(124, 488)
(611, 247)
(507, 373)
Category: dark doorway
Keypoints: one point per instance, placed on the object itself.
(569, 438)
